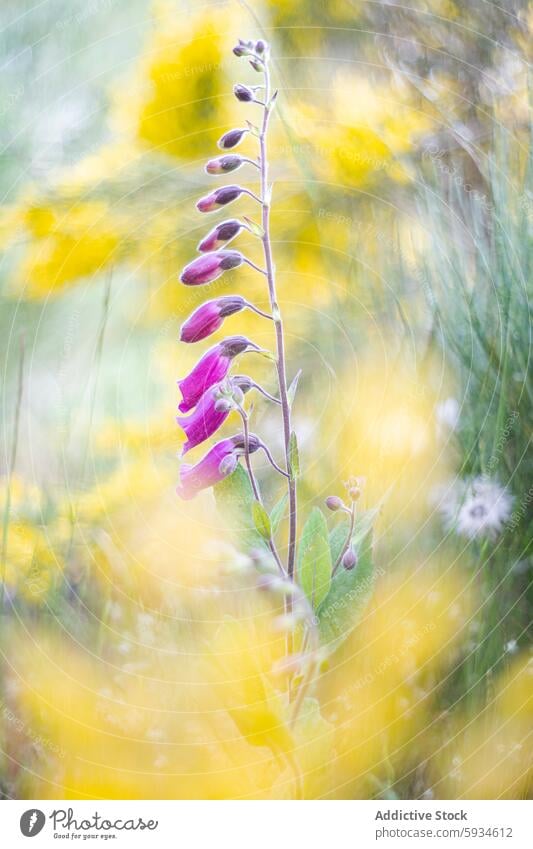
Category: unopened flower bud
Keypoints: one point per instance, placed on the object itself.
(243, 93)
(257, 66)
(260, 46)
(208, 267)
(349, 560)
(220, 235)
(333, 502)
(355, 493)
(232, 138)
(224, 164)
(220, 197)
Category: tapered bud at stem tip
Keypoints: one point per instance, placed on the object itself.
(243, 93)
(349, 560)
(232, 138)
(333, 502)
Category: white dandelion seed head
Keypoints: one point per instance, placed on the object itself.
(477, 508)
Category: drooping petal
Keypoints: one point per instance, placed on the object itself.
(207, 472)
(204, 421)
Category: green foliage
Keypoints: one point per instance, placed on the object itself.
(314, 558)
(261, 520)
(350, 591)
(235, 499)
(294, 456)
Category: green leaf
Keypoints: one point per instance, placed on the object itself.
(261, 520)
(350, 591)
(315, 571)
(291, 392)
(234, 497)
(278, 511)
(314, 558)
(294, 457)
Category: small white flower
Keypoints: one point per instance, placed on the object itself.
(447, 415)
(511, 647)
(477, 508)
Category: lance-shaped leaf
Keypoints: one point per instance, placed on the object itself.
(314, 558)
(261, 520)
(294, 457)
(291, 392)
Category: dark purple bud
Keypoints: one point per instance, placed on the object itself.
(208, 317)
(243, 93)
(240, 51)
(260, 47)
(333, 502)
(224, 164)
(232, 138)
(220, 235)
(234, 345)
(244, 382)
(349, 560)
(220, 197)
(208, 267)
(254, 443)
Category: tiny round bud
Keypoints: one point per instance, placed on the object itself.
(228, 464)
(333, 502)
(260, 46)
(355, 493)
(243, 93)
(223, 405)
(349, 560)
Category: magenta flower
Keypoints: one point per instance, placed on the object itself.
(224, 164)
(220, 197)
(207, 268)
(219, 462)
(209, 317)
(204, 421)
(220, 235)
(210, 413)
(210, 369)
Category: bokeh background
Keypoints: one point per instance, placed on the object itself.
(138, 658)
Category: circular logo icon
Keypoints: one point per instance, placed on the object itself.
(32, 822)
